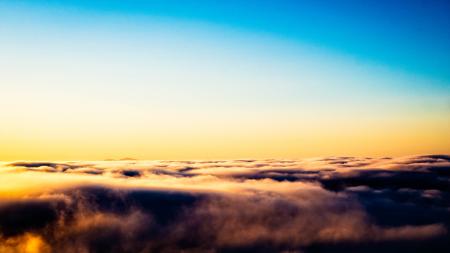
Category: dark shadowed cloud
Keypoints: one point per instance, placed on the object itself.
(334, 204)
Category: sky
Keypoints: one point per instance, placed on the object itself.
(223, 79)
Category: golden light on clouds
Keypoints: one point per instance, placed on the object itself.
(224, 126)
(143, 206)
(27, 243)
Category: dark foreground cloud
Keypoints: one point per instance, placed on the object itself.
(335, 204)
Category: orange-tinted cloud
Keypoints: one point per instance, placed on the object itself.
(334, 204)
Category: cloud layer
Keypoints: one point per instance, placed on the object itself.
(334, 204)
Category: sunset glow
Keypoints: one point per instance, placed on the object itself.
(204, 126)
(150, 81)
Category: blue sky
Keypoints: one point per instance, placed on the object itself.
(190, 79)
(411, 35)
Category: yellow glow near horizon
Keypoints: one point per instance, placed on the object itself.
(258, 138)
(146, 96)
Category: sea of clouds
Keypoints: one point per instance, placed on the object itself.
(333, 204)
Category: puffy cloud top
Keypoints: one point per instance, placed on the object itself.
(333, 204)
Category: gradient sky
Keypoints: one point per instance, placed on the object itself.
(223, 79)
